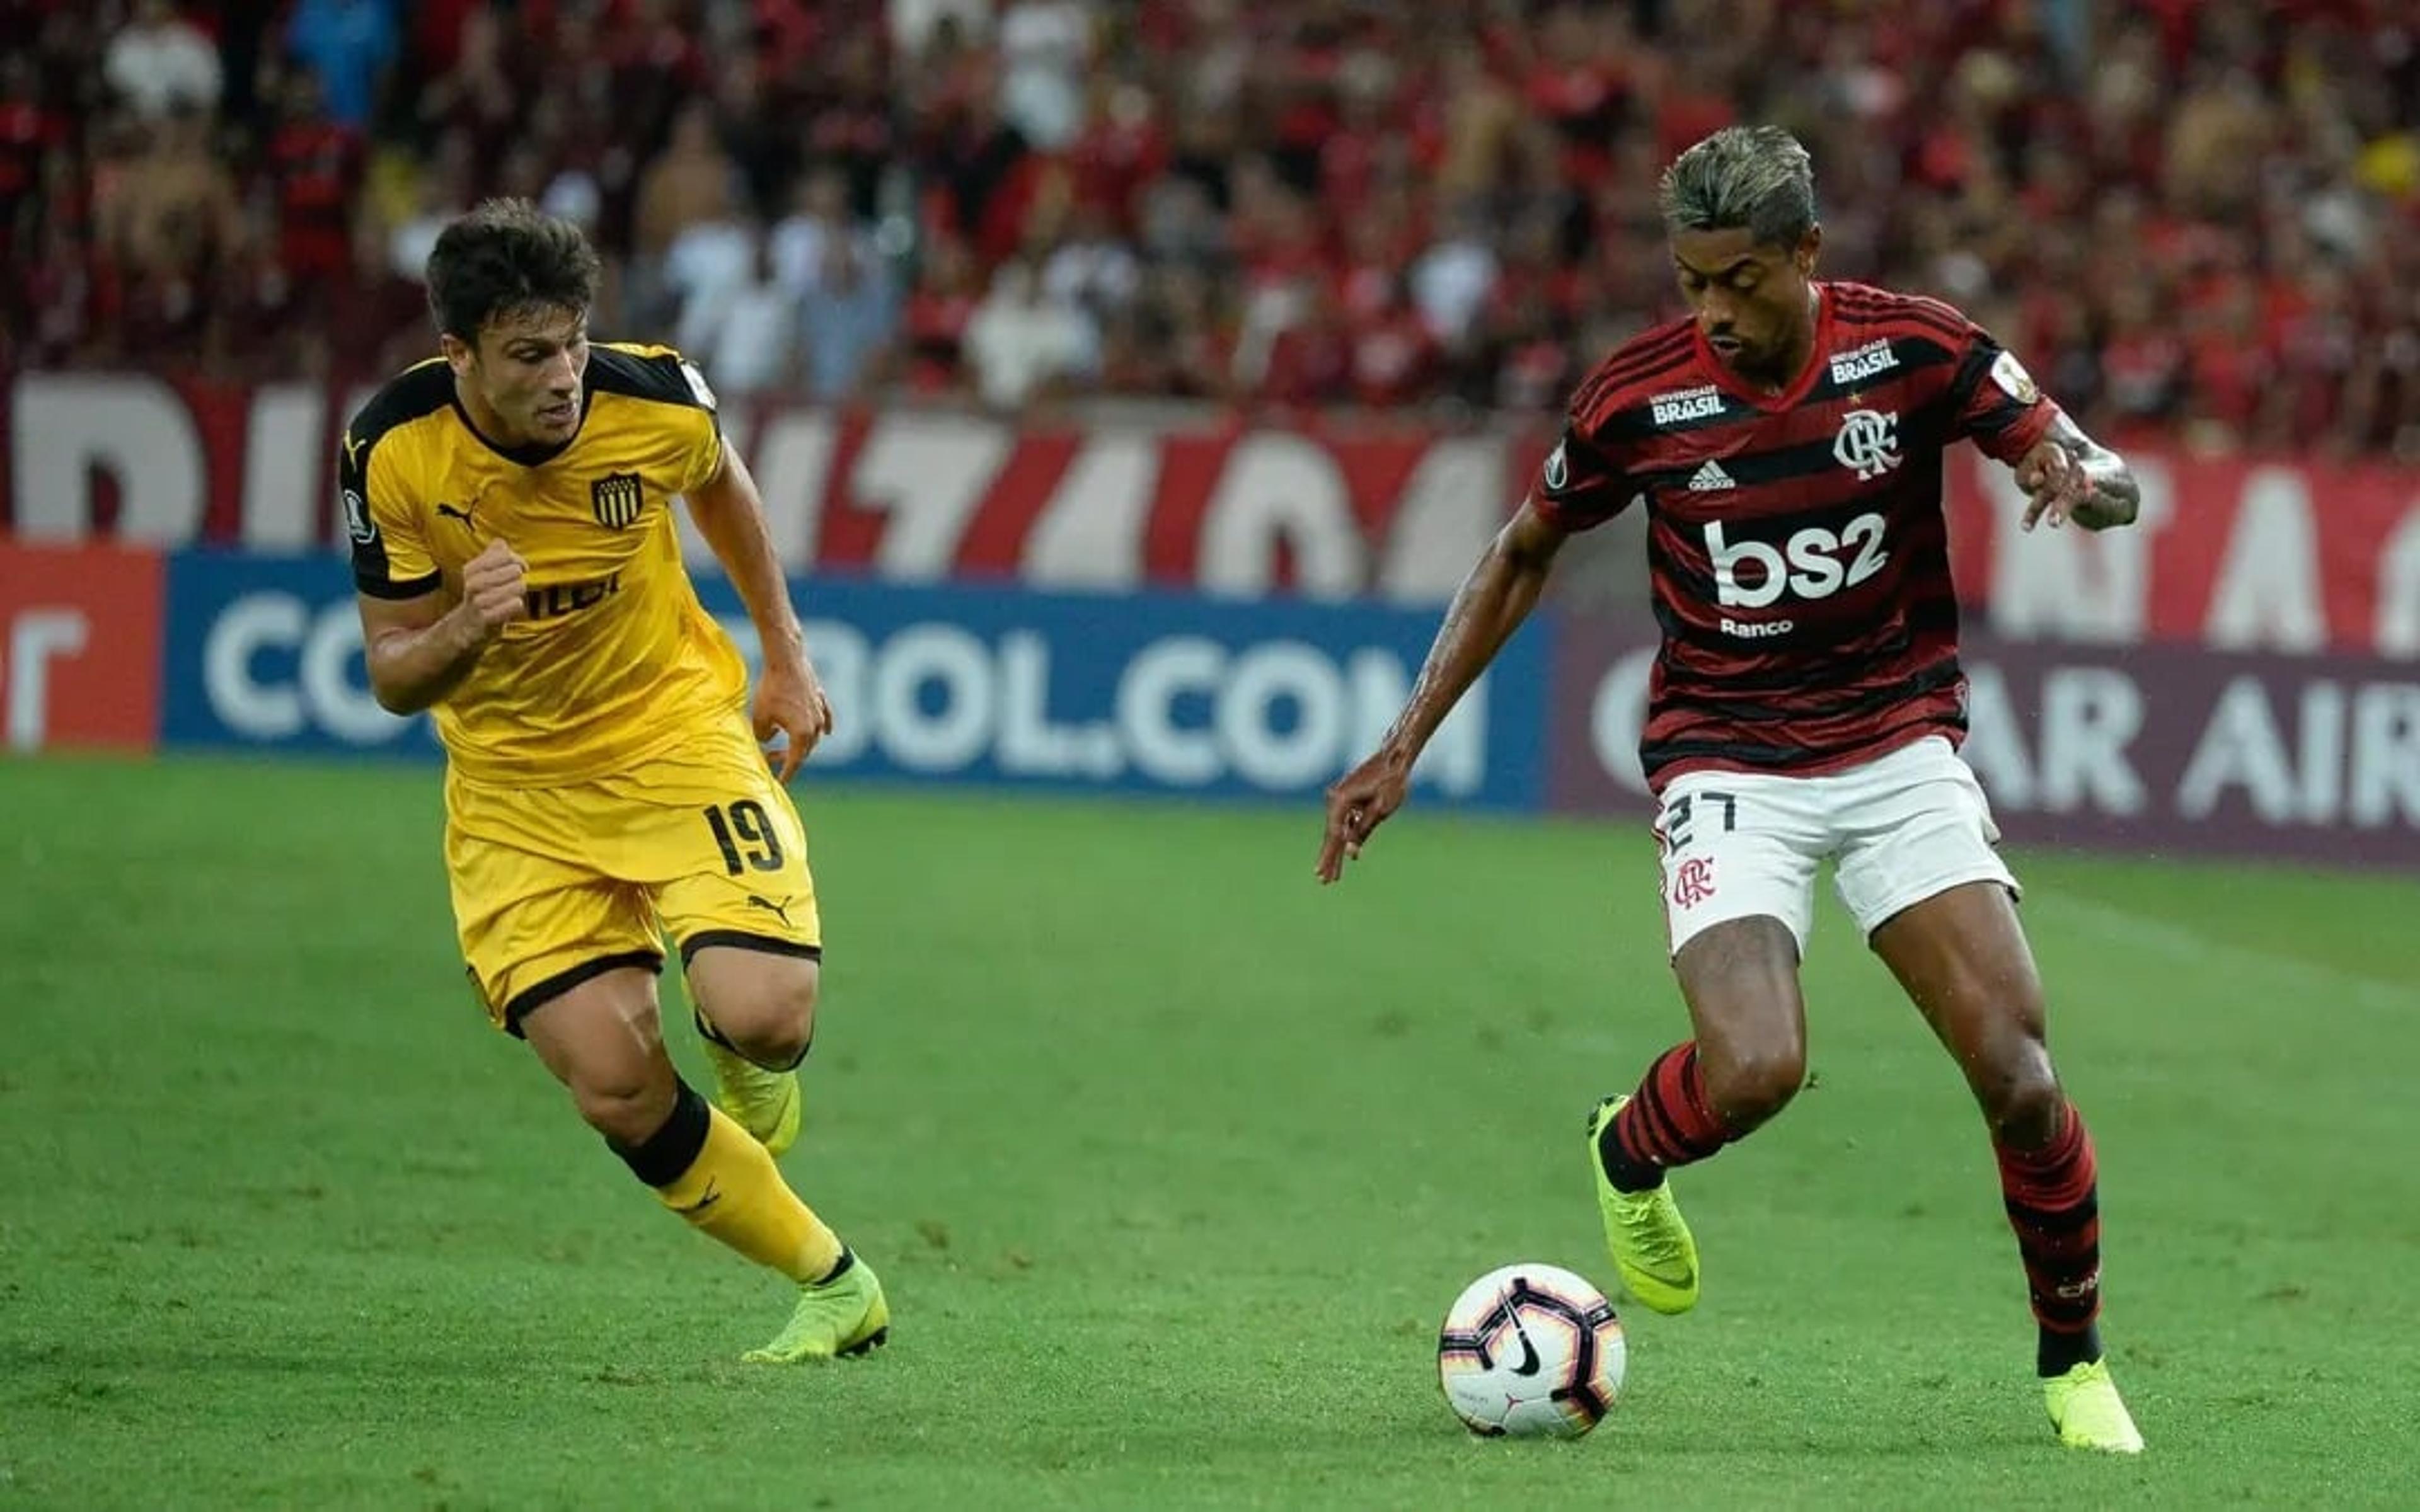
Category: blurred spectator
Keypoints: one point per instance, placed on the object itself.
(693, 181)
(821, 217)
(478, 95)
(914, 22)
(851, 312)
(314, 169)
(1454, 277)
(933, 324)
(1310, 361)
(172, 234)
(31, 133)
(56, 319)
(1020, 345)
(442, 193)
(2192, 215)
(744, 327)
(349, 44)
(160, 62)
(1090, 266)
(1045, 48)
(689, 237)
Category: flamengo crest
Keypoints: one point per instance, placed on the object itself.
(1868, 444)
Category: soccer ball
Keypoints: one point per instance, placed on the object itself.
(1530, 1351)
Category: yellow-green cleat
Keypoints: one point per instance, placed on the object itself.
(1649, 1241)
(767, 1104)
(843, 1316)
(2085, 1410)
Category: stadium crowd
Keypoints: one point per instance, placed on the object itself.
(2202, 215)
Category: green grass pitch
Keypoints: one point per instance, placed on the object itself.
(1170, 1161)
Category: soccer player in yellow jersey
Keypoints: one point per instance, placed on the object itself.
(606, 787)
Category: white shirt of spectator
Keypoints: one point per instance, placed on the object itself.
(408, 245)
(742, 329)
(1451, 282)
(754, 335)
(1098, 275)
(798, 250)
(1017, 343)
(574, 195)
(705, 258)
(160, 67)
(1044, 47)
(912, 22)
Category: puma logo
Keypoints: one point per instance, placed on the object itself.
(462, 515)
(354, 445)
(780, 910)
(713, 1194)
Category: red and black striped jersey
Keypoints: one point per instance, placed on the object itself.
(1797, 556)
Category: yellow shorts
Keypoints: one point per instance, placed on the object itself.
(554, 885)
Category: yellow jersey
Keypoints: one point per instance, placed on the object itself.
(616, 660)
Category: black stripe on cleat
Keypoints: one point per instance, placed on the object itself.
(867, 1344)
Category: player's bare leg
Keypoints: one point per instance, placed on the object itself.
(757, 1011)
(604, 1040)
(1741, 981)
(1963, 960)
(758, 1007)
(1746, 1061)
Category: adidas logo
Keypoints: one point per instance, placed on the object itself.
(1710, 478)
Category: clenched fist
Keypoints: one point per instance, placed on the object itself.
(492, 589)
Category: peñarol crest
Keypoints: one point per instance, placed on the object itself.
(617, 498)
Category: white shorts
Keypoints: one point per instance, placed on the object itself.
(1902, 828)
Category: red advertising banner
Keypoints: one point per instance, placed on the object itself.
(2298, 557)
(80, 646)
(2168, 749)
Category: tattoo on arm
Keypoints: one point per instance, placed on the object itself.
(2115, 497)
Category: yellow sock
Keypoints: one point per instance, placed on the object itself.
(732, 1190)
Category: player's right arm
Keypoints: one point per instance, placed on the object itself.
(1578, 487)
(419, 649)
(419, 639)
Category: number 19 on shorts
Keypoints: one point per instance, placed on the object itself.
(744, 832)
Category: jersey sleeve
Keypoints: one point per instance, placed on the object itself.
(680, 399)
(1995, 402)
(702, 455)
(390, 558)
(1580, 486)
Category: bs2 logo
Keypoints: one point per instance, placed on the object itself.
(1808, 564)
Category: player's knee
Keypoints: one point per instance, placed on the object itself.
(775, 1020)
(784, 1044)
(1741, 978)
(1748, 1084)
(625, 1106)
(2020, 1096)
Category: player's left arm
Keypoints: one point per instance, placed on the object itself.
(789, 696)
(2065, 473)
(2069, 475)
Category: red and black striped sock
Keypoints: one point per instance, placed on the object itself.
(2053, 1204)
(1669, 1123)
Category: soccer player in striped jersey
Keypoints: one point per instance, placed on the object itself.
(1786, 440)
